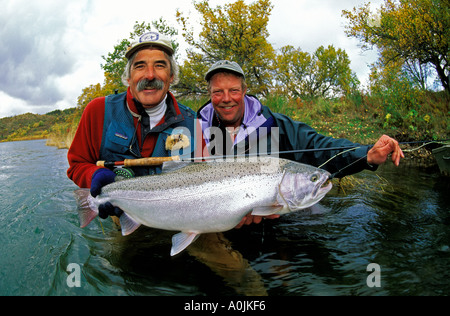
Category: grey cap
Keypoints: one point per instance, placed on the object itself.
(151, 39)
(224, 66)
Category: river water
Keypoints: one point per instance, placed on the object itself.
(396, 218)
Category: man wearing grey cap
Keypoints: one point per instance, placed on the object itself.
(236, 123)
(134, 124)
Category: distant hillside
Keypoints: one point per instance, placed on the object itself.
(359, 118)
(32, 126)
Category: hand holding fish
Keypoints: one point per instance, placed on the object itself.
(386, 145)
(249, 219)
(101, 178)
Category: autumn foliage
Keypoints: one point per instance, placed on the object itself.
(412, 38)
(414, 34)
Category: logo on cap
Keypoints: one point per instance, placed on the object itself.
(149, 37)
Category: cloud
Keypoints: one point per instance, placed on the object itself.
(311, 24)
(32, 46)
(51, 50)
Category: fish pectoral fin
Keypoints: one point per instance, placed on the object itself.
(266, 210)
(181, 241)
(127, 224)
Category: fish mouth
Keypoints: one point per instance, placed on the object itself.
(322, 187)
(317, 191)
(326, 183)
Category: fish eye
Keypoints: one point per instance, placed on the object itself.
(314, 178)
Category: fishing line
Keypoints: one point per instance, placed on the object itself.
(341, 153)
(349, 165)
(285, 152)
(299, 151)
(101, 225)
(414, 149)
(425, 143)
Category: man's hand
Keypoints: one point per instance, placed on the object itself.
(249, 219)
(101, 178)
(107, 209)
(386, 145)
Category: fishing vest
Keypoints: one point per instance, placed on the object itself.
(120, 141)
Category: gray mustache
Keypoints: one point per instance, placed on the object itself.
(150, 84)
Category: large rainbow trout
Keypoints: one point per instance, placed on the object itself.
(210, 196)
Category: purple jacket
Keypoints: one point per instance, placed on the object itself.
(252, 119)
(293, 140)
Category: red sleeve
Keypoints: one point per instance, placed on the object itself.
(85, 149)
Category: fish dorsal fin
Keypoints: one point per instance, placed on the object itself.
(171, 166)
(128, 224)
(266, 210)
(181, 241)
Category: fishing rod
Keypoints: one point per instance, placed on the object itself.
(156, 161)
(140, 162)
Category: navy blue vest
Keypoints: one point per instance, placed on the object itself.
(119, 139)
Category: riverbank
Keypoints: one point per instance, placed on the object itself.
(358, 118)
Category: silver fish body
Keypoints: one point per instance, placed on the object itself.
(210, 196)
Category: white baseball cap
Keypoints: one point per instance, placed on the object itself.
(151, 39)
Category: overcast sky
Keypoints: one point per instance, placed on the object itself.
(50, 50)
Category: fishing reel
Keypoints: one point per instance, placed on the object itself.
(123, 173)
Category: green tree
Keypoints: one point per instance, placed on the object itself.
(325, 73)
(414, 31)
(292, 68)
(235, 31)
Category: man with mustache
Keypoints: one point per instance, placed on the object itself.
(133, 124)
(236, 123)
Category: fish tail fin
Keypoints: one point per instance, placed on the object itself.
(181, 241)
(86, 210)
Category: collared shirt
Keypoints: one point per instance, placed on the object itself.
(251, 121)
